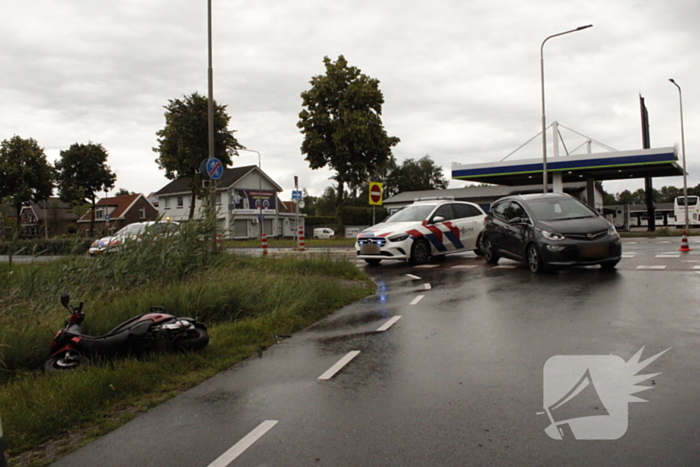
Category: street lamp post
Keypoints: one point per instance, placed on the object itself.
(544, 120)
(685, 178)
(210, 123)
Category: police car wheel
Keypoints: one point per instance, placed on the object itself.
(420, 252)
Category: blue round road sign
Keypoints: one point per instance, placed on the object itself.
(215, 169)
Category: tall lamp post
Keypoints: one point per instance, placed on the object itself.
(260, 219)
(685, 178)
(544, 120)
(210, 123)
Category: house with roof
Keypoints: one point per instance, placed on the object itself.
(247, 203)
(48, 218)
(111, 214)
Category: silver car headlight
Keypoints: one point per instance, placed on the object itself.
(399, 237)
(612, 231)
(552, 235)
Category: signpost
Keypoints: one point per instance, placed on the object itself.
(375, 193)
(375, 197)
(215, 169)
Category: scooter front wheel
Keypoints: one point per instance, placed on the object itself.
(196, 339)
(68, 360)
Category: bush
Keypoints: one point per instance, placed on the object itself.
(48, 247)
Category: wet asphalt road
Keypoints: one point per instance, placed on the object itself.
(456, 381)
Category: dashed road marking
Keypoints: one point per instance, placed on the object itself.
(464, 266)
(389, 323)
(238, 448)
(505, 267)
(417, 299)
(416, 278)
(651, 267)
(339, 365)
(427, 286)
(669, 256)
(427, 266)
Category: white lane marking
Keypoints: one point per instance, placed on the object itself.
(417, 299)
(427, 286)
(631, 243)
(690, 261)
(696, 267)
(668, 256)
(651, 267)
(427, 266)
(464, 266)
(628, 255)
(238, 448)
(389, 323)
(339, 365)
(505, 267)
(663, 241)
(415, 278)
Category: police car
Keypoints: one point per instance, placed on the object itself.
(426, 228)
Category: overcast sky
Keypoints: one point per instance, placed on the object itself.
(461, 79)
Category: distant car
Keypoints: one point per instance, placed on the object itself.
(546, 231)
(422, 230)
(3, 447)
(130, 232)
(323, 233)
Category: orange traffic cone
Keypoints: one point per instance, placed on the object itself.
(684, 243)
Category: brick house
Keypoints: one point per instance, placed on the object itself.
(111, 214)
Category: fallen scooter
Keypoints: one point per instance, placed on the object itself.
(154, 331)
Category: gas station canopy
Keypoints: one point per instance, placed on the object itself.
(622, 165)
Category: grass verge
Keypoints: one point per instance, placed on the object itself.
(245, 302)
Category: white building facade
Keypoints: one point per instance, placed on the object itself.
(246, 201)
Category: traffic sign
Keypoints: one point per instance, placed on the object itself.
(296, 194)
(375, 193)
(215, 169)
(106, 217)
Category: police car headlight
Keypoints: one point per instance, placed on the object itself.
(552, 235)
(399, 238)
(612, 231)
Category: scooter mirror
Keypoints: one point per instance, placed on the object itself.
(65, 299)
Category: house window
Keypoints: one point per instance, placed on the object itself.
(100, 213)
(218, 198)
(166, 203)
(180, 202)
(142, 213)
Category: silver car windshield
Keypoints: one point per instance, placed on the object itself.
(559, 209)
(413, 213)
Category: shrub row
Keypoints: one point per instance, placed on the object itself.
(44, 246)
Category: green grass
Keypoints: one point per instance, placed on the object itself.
(291, 243)
(244, 301)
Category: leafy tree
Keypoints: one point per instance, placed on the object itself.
(82, 173)
(184, 141)
(124, 192)
(342, 126)
(413, 175)
(25, 173)
(326, 204)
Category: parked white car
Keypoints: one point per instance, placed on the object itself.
(422, 230)
(131, 232)
(323, 233)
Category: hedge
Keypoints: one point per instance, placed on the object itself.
(41, 246)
